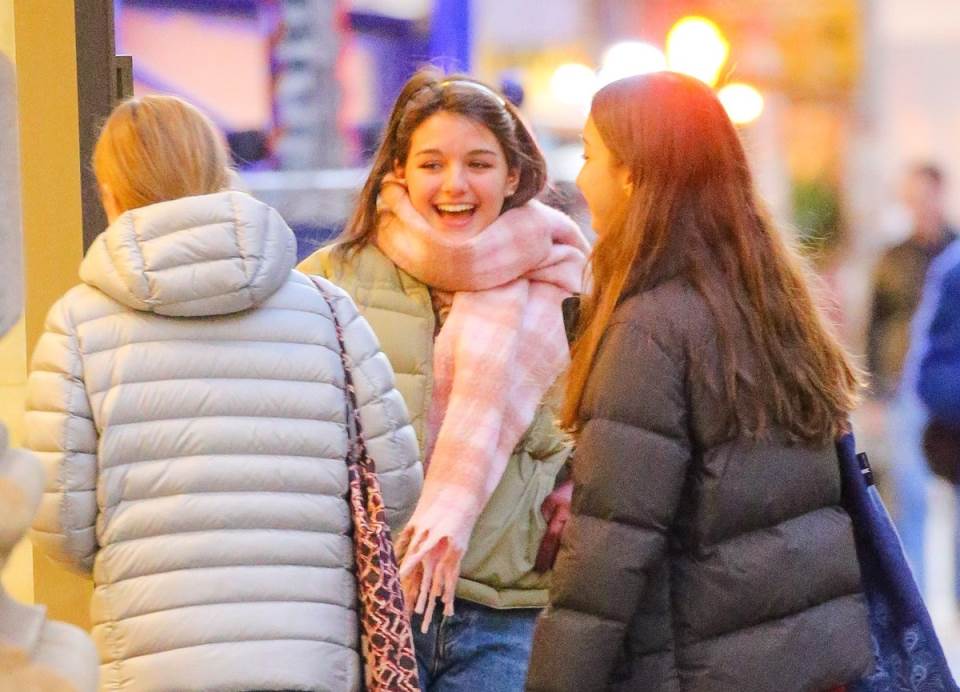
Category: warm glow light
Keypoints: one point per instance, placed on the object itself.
(573, 84)
(631, 58)
(696, 46)
(743, 103)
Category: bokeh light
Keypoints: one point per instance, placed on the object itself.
(629, 58)
(697, 47)
(573, 84)
(743, 103)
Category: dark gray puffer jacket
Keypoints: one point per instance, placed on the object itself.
(695, 561)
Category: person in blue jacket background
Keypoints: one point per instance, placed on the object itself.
(933, 364)
(938, 377)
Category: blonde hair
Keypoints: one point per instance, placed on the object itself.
(157, 148)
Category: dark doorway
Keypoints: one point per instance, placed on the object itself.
(102, 80)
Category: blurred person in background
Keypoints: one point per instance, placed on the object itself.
(898, 280)
(934, 363)
(461, 273)
(188, 401)
(707, 550)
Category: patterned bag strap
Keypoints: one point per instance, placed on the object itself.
(386, 635)
(358, 446)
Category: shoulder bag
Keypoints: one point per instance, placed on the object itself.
(907, 652)
(386, 636)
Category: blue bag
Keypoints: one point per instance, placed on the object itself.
(906, 648)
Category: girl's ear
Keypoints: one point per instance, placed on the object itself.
(110, 204)
(398, 170)
(513, 182)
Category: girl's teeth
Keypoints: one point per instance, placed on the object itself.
(455, 208)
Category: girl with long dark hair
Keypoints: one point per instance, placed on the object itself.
(707, 549)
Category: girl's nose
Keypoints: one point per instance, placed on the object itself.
(454, 179)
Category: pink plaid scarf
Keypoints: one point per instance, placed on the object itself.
(499, 351)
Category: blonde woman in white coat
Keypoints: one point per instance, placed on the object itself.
(188, 401)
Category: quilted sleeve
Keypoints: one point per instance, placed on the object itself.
(61, 431)
(628, 471)
(390, 438)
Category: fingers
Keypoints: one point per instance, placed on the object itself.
(410, 588)
(557, 500)
(550, 545)
(429, 572)
(448, 598)
(390, 178)
(436, 589)
(548, 507)
(426, 579)
(546, 553)
(430, 603)
(449, 593)
(442, 585)
(392, 192)
(563, 494)
(450, 568)
(416, 549)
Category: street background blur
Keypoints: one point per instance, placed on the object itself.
(836, 101)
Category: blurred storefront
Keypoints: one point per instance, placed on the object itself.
(804, 58)
(306, 85)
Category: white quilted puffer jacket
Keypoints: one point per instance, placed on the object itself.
(187, 401)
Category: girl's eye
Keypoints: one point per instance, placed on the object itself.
(430, 165)
(480, 164)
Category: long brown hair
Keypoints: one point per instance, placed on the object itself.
(429, 92)
(693, 212)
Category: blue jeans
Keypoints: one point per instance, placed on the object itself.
(477, 648)
(911, 478)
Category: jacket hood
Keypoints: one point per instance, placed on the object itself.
(204, 255)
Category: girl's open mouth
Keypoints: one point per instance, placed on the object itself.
(456, 213)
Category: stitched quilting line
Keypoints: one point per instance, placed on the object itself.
(230, 416)
(244, 257)
(193, 341)
(122, 310)
(319, 640)
(239, 601)
(187, 569)
(188, 378)
(186, 456)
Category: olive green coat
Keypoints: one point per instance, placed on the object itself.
(498, 567)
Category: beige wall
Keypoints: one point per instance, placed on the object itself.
(49, 153)
(41, 36)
